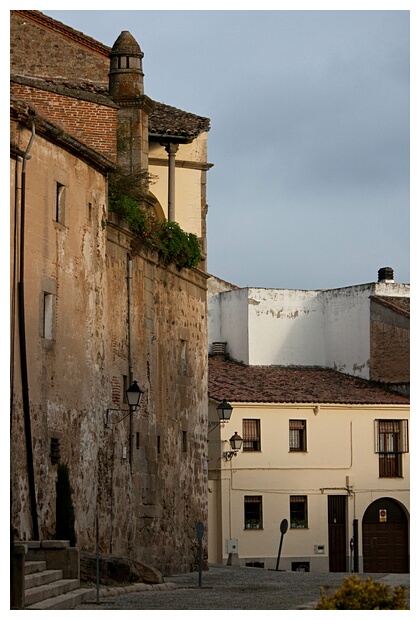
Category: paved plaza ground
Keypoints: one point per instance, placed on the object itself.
(234, 587)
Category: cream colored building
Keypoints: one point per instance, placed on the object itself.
(325, 451)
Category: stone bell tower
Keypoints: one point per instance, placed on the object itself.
(126, 89)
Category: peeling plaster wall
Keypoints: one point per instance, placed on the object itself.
(147, 511)
(330, 328)
(234, 324)
(346, 329)
(285, 327)
(65, 260)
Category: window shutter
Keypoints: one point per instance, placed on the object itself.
(404, 435)
(376, 438)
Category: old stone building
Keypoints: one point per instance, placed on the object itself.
(95, 308)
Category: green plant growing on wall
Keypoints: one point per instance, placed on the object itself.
(357, 594)
(178, 247)
(128, 197)
(64, 506)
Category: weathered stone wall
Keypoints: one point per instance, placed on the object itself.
(66, 366)
(37, 49)
(167, 490)
(147, 510)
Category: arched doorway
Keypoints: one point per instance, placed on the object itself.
(385, 537)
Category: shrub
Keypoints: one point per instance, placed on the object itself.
(178, 247)
(64, 507)
(357, 594)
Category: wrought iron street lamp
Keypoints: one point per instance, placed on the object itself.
(236, 444)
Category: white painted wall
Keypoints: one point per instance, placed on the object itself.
(329, 328)
(285, 327)
(234, 323)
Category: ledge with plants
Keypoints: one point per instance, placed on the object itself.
(128, 197)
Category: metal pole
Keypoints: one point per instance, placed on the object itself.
(97, 559)
(356, 545)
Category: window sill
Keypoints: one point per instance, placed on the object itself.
(247, 529)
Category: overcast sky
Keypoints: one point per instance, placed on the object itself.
(309, 134)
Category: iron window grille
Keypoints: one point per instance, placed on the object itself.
(297, 435)
(298, 511)
(391, 442)
(253, 512)
(251, 436)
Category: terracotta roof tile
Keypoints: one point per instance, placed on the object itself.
(165, 119)
(292, 384)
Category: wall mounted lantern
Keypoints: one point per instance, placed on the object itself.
(236, 444)
(224, 411)
(133, 394)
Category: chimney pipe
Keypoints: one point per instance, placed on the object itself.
(386, 275)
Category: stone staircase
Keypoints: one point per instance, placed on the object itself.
(46, 575)
(46, 589)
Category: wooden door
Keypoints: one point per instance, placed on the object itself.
(385, 538)
(337, 533)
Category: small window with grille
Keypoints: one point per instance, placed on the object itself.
(253, 512)
(297, 435)
(251, 435)
(391, 442)
(298, 511)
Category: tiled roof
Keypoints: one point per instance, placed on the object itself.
(292, 384)
(165, 119)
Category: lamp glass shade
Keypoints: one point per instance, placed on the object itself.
(236, 441)
(134, 393)
(224, 410)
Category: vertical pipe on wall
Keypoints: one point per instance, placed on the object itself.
(130, 355)
(22, 342)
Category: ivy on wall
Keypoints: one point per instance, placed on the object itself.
(128, 197)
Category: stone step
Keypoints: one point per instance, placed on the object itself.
(40, 593)
(35, 567)
(39, 579)
(69, 600)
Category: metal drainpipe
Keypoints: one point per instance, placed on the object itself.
(23, 357)
(130, 360)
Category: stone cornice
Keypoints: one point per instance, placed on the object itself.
(180, 163)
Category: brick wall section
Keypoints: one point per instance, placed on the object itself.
(92, 124)
(40, 49)
(390, 345)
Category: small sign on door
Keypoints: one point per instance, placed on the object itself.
(382, 515)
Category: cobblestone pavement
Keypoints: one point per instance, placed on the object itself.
(234, 587)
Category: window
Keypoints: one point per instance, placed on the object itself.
(297, 435)
(59, 203)
(253, 512)
(298, 511)
(391, 442)
(184, 441)
(48, 317)
(251, 435)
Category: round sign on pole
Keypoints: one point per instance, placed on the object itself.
(283, 526)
